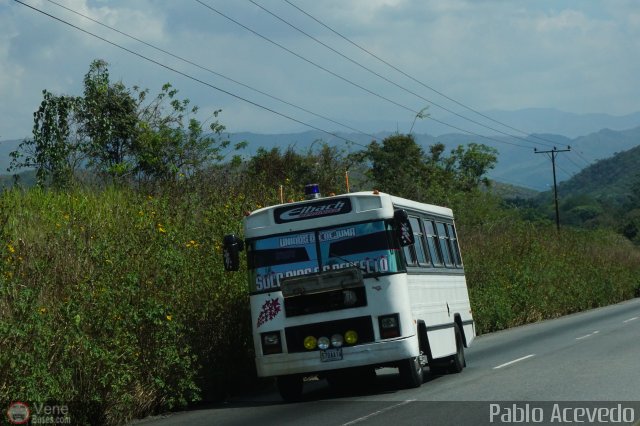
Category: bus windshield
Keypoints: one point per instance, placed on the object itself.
(370, 246)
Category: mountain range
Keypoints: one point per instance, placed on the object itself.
(591, 137)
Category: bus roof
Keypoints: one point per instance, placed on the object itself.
(331, 211)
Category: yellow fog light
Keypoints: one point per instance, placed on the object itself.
(351, 337)
(310, 343)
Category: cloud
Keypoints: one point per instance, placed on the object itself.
(495, 54)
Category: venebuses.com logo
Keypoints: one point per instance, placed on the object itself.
(18, 413)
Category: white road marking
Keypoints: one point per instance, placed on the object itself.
(588, 335)
(513, 362)
(368, 416)
(630, 319)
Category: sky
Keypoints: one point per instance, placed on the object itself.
(572, 55)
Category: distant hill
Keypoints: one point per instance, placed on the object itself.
(610, 181)
(517, 163)
(26, 179)
(605, 194)
(571, 125)
(6, 147)
(530, 120)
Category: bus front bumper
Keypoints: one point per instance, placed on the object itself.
(377, 353)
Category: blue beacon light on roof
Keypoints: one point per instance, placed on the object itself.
(312, 191)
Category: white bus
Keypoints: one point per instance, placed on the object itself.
(353, 282)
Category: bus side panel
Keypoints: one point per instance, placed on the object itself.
(435, 299)
(442, 342)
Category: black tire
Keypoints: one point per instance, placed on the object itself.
(453, 363)
(458, 361)
(290, 387)
(411, 373)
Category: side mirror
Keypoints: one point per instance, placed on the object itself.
(403, 228)
(231, 248)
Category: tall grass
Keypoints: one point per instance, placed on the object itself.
(116, 300)
(119, 300)
(519, 272)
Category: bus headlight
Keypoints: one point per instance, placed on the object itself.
(323, 343)
(351, 337)
(310, 343)
(337, 340)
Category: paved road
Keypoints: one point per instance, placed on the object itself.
(568, 369)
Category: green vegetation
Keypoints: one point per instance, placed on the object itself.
(112, 291)
(603, 195)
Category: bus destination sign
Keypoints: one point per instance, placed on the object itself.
(322, 208)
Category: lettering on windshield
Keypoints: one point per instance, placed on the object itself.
(374, 265)
(336, 234)
(368, 246)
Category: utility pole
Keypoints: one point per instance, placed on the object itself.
(553, 153)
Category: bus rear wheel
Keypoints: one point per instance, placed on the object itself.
(290, 387)
(454, 363)
(458, 361)
(411, 372)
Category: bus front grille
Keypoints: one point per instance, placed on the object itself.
(361, 325)
(327, 301)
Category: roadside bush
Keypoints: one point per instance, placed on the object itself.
(118, 301)
(519, 272)
(115, 301)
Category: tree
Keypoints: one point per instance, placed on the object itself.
(111, 130)
(400, 166)
(109, 120)
(470, 165)
(321, 164)
(397, 166)
(55, 149)
(171, 142)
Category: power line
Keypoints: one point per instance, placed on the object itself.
(212, 71)
(188, 75)
(553, 153)
(385, 78)
(315, 64)
(579, 154)
(350, 81)
(547, 142)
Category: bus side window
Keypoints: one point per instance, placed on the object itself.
(410, 255)
(453, 240)
(432, 242)
(419, 247)
(444, 244)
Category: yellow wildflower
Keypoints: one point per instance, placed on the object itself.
(169, 317)
(43, 310)
(11, 248)
(161, 228)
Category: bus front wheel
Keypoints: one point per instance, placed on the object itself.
(290, 387)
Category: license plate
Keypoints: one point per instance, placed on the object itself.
(334, 354)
